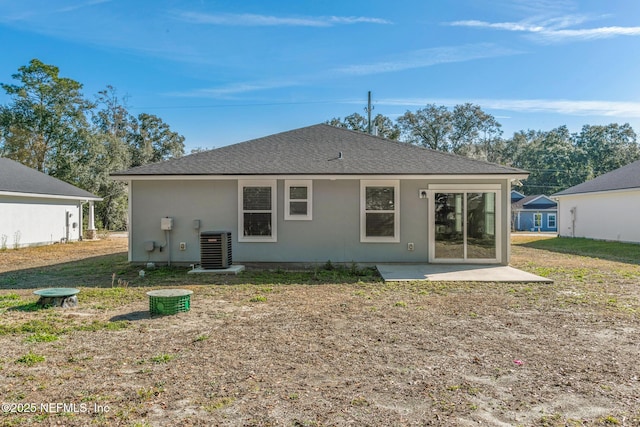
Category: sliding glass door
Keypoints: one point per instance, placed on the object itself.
(464, 226)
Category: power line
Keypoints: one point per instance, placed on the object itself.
(265, 104)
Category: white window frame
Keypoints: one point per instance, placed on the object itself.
(274, 214)
(555, 220)
(287, 199)
(466, 188)
(539, 223)
(363, 212)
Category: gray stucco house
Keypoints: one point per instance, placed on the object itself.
(322, 193)
(38, 209)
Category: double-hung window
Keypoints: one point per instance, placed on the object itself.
(298, 199)
(380, 211)
(257, 211)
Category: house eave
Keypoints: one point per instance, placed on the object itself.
(583, 193)
(49, 196)
(202, 177)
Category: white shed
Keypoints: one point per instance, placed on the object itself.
(37, 209)
(604, 208)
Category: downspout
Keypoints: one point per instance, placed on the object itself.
(80, 221)
(67, 215)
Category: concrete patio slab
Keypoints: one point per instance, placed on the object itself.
(234, 269)
(456, 273)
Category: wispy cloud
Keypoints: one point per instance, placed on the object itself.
(570, 107)
(81, 5)
(429, 57)
(555, 106)
(226, 92)
(553, 30)
(19, 13)
(255, 20)
(538, 7)
(409, 60)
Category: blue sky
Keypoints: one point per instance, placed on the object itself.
(221, 72)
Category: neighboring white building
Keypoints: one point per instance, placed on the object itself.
(604, 208)
(37, 209)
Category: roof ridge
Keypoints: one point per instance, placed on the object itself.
(307, 150)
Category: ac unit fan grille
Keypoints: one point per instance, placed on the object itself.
(215, 249)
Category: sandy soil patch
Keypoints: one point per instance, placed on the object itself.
(368, 353)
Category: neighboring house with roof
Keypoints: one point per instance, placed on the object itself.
(37, 209)
(604, 208)
(533, 213)
(318, 194)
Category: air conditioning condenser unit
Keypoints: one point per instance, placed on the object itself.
(215, 250)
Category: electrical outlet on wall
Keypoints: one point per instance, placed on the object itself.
(183, 246)
(410, 246)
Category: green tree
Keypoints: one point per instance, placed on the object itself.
(605, 148)
(475, 133)
(382, 125)
(126, 141)
(46, 127)
(385, 127)
(513, 152)
(558, 159)
(428, 127)
(45, 122)
(553, 161)
(154, 141)
(466, 130)
(113, 129)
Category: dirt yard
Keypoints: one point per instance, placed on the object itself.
(255, 353)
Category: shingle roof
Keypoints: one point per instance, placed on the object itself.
(315, 150)
(18, 178)
(622, 178)
(541, 202)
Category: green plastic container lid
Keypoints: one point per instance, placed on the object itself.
(56, 292)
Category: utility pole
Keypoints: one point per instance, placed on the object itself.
(369, 108)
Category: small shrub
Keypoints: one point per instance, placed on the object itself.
(219, 404)
(610, 420)
(258, 298)
(101, 325)
(9, 300)
(121, 283)
(42, 337)
(30, 359)
(162, 358)
(149, 393)
(16, 239)
(359, 401)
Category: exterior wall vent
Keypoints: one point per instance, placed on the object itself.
(215, 250)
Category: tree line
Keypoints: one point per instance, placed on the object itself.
(556, 159)
(50, 126)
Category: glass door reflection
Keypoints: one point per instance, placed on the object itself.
(465, 226)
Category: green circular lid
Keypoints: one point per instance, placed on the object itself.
(56, 292)
(169, 293)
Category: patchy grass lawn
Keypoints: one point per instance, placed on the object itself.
(616, 251)
(331, 346)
